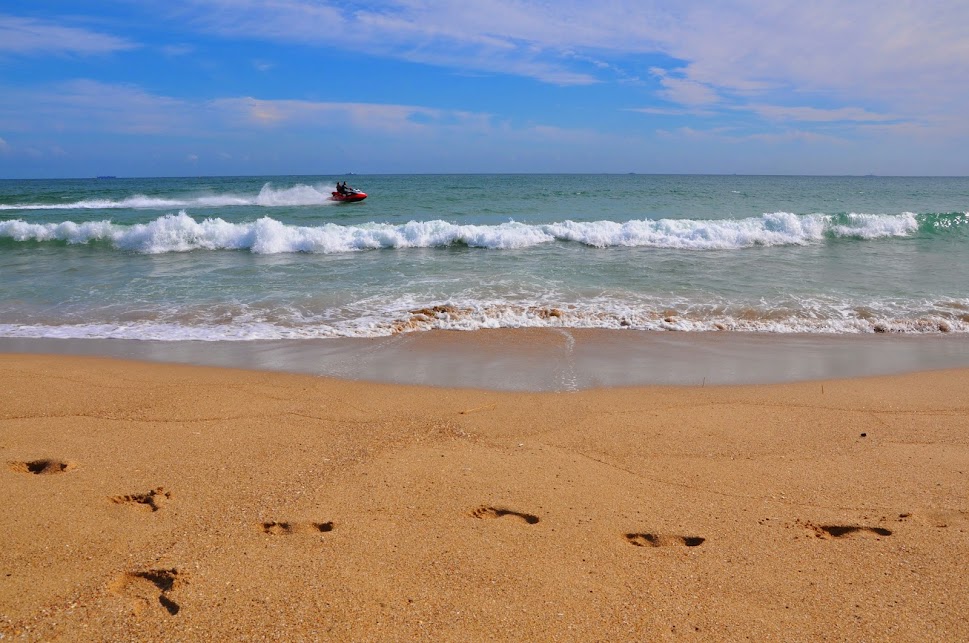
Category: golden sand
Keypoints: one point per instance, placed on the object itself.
(160, 502)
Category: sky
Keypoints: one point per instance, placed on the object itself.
(313, 87)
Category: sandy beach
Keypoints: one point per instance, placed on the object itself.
(146, 501)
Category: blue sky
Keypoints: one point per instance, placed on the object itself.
(227, 87)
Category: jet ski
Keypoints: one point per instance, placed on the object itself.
(348, 195)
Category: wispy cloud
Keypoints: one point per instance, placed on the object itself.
(494, 36)
(671, 111)
(28, 36)
(366, 116)
(85, 105)
(950, 130)
(730, 135)
(692, 133)
(791, 135)
(866, 52)
(892, 54)
(818, 115)
(733, 71)
(683, 90)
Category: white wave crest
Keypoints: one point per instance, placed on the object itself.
(268, 197)
(181, 233)
(873, 226)
(779, 228)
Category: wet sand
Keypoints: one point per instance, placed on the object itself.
(146, 501)
(550, 359)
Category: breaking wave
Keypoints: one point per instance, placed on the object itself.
(180, 233)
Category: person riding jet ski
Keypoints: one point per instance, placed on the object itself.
(344, 192)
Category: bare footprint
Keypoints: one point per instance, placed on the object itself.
(495, 512)
(148, 587)
(43, 467)
(828, 532)
(153, 500)
(663, 540)
(277, 528)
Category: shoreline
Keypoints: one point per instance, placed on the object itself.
(147, 501)
(547, 359)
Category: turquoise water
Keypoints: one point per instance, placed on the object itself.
(248, 258)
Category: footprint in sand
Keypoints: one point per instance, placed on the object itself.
(495, 512)
(828, 532)
(148, 587)
(43, 467)
(663, 540)
(277, 528)
(152, 500)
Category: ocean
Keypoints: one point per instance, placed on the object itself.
(262, 258)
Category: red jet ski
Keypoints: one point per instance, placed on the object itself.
(349, 194)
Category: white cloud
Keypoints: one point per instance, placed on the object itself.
(366, 116)
(670, 111)
(122, 108)
(906, 58)
(950, 130)
(869, 66)
(35, 37)
(909, 59)
(684, 91)
(789, 136)
(85, 105)
(817, 115)
(5, 147)
(718, 133)
(730, 135)
(495, 36)
(860, 45)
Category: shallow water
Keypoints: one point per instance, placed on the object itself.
(269, 258)
(549, 360)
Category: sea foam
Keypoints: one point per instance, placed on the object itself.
(375, 320)
(268, 197)
(180, 233)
